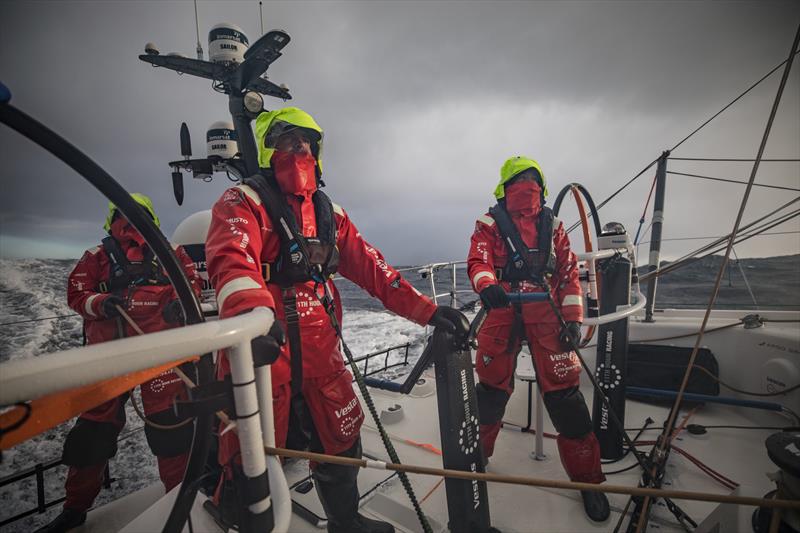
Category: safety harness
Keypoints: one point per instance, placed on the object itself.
(314, 259)
(301, 259)
(124, 273)
(525, 263)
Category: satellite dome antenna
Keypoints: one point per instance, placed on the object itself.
(197, 30)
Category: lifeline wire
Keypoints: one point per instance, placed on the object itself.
(658, 452)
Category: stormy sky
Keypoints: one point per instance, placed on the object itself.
(421, 103)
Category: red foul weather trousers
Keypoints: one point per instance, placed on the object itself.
(558, 374)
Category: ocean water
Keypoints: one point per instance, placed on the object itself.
(35, 320)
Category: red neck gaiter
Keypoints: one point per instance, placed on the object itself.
(130, 240)
(524, 198)
(297, 178)
(295, 173)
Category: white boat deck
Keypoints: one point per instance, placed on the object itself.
(738, 454)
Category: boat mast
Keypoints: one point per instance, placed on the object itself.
(655, 233)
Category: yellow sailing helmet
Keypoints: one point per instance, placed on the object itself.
(272, 124)
(512, 167)
(140, 199)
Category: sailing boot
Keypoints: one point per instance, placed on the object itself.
(338, 493)
(596, 505)
(581, 460)
(68, 519)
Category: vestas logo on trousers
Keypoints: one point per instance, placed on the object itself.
(347, 408)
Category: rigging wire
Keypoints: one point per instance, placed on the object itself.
(644, 212)
(698, 176)
(733, 159)
(720, 236)
(660, 448)
(718, 113)
(691, 255)
(717, 246)
(744, 277)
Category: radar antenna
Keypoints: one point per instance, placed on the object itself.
(197, 30)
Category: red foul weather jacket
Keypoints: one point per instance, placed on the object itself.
(241, 238)
(144, 304)
(488, 253)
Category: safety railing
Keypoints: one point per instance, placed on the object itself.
(366, 371)
(38, 471)
(30, 379)
(429, 272)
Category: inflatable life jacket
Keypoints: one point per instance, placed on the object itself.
(301, 258)
(124, 273)
(524, 263)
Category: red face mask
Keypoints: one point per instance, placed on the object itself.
(125, 233)
(295, 173)
(524, 196)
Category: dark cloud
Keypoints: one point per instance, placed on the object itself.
(421, 102)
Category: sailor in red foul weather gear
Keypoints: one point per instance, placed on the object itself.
(254, 261)
(122, 272)
(519, 246)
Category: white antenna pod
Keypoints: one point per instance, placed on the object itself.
(227, 43)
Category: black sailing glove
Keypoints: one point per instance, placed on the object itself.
(110, 304)
(173, 313)
(494, 297)
(571, 334)
(267, 348)
(452, 321)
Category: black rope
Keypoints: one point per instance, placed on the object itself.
(327, 304)
(111, 189)
(732, 181)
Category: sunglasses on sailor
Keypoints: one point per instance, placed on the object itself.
(295, 141)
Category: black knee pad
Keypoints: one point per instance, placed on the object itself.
(491, 404)
(568, 411)
(90, 443)
(168, 442)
